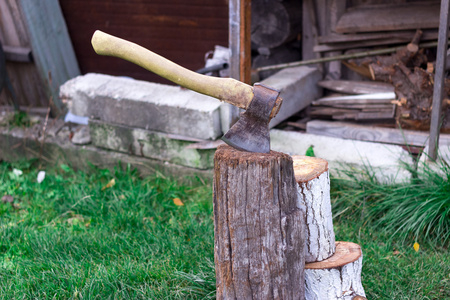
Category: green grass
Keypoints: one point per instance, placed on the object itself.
(71, 238)
(68, 238)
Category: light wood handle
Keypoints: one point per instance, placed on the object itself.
(224, 89)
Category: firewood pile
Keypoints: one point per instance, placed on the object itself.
(393, 84)
(400, 89)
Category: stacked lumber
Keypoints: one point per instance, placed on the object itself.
(367, 101)
(382, 41)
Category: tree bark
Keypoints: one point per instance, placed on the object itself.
(338, 277)
(313, 180)
(258, 228)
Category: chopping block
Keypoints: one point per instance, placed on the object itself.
(259, 230)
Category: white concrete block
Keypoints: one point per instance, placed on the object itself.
(384, 160)
(298, 88)
(141, 104)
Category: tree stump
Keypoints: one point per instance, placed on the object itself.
(311, 174)
(338, 277)
(258, 228)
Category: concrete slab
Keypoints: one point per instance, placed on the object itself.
(441, 165)
(18, 144)
(385, 161)
(298, 88)
(146, 143)
(141, 104)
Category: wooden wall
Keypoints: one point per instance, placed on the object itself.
(40, 26)
(24, 76)
(182, 31)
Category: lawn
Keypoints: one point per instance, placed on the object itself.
(113, 235)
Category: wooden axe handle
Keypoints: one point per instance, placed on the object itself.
(224, 89)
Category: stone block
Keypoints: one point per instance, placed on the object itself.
(146, 143)
(140, 104)
(18, 144)
(298, 87)
(384, 161)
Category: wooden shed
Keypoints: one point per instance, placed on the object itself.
(182, 31)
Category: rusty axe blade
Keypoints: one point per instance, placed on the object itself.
(251, 132)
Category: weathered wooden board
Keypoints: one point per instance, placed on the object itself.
(371, 133)
(17, 54)
(335, 38)
(24, 76)
(26, 25)
(390, 17)
(51, 45)
(356, 87)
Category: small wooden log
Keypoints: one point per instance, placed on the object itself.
(275, 23)
(258, 228)
(311, 174)
(338, 277)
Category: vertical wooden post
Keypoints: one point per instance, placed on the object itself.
(258, 227)
(436, 115)
(240, 53)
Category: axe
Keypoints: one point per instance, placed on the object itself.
(249, 133)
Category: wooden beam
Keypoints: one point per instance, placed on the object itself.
(353, 131)
(356, 87)
(245, 42)
(18, 54)
(52, 48)
(441, 57)
(389, 17)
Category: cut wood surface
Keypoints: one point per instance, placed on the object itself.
(275, 22)
(311, 174)
(346, 252)
(371, 133)
(338, 277)
(393, 17)
(357, 87)
(259, 230)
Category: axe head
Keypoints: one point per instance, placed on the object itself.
(251, 132)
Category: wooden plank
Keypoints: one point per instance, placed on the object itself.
(388, 18)
(333, 38)
(356, 87)
(245, 66)
(51, 46)
(17, 54)
(439, 80)
(356, 45)
(353, 131)
(377, 98)
(24, 77)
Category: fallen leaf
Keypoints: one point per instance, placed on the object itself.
(416, 246)
(110, 184)
(7, 199)
(177, 201)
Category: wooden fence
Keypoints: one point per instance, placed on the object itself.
(38, 50)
